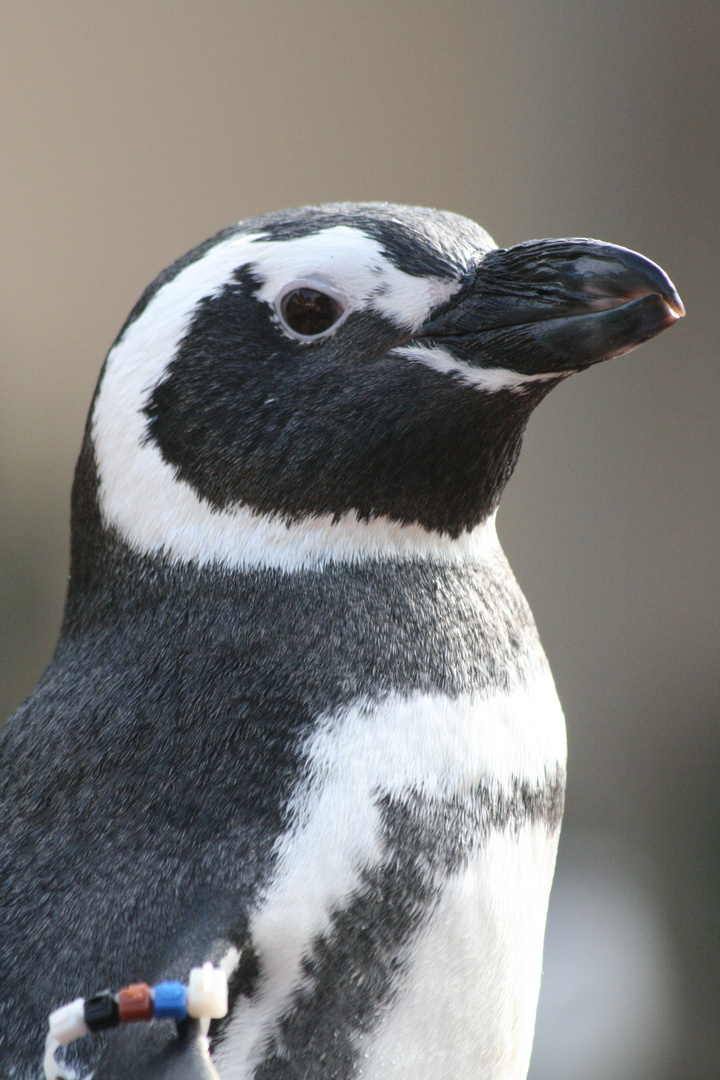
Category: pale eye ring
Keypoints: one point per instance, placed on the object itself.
(309, 310)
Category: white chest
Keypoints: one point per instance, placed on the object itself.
(405, 918)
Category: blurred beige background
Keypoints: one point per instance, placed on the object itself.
(130, 131)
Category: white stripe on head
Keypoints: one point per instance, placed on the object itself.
(354, 266)
(156, 512)
(480, 378)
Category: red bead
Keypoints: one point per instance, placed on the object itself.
(135, 1003)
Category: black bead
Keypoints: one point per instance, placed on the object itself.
(101, 1012)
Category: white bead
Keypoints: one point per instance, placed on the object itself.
(68, 1022)
(207, 993)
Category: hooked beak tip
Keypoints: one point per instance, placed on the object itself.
(676, 305)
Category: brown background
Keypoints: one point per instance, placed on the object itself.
(130, 131)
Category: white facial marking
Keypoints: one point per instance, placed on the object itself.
(354, 267)
(425, 743)
(153, 510)
(487, 379)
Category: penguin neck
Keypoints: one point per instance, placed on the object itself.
(243, 540)
(158, 515)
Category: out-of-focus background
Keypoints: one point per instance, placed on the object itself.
(129, 132)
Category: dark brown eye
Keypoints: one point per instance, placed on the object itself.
(309, 312)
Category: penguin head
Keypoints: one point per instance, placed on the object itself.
(344, 379)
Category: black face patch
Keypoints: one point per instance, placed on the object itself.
(246, 415)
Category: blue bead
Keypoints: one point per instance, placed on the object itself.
(170, 1001)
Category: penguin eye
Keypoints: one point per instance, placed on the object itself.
(309, 312)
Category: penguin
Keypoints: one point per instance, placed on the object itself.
(299, 722)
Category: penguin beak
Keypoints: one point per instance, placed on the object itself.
(556, 306)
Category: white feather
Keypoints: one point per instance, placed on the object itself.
(490, 379)
(353, 265)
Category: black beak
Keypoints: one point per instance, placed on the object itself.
(555, 306)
